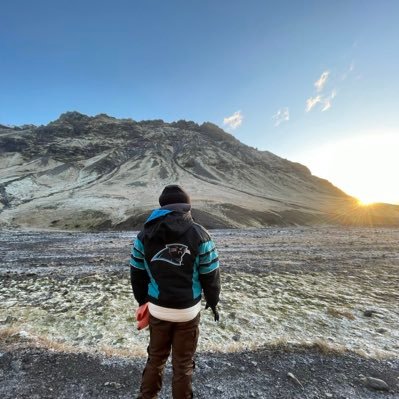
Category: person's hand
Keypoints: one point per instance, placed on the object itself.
(214, 310)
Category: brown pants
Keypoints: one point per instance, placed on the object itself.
(182, 338)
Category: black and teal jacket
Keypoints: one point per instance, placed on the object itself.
(174, 260)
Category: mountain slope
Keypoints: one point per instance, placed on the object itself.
(101, 172)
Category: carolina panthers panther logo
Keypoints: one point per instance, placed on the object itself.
(172, 253)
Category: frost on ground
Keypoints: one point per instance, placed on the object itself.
(336, 286)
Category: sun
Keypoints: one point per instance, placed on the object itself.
(364, 167)
(365, 203)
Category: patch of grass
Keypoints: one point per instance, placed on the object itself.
(9, 335)
(48, 343)
(318, 345)
(15, 336)
(280, 343)
(340, 313)
(118, 352)
(326, 347)
(230, 347)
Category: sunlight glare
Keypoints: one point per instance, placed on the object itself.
(365, 167)
(365, 202)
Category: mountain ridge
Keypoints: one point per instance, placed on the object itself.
(94, 172)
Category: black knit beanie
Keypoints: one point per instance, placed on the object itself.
(174, 194)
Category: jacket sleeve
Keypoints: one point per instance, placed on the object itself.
(138, 274)
(209, 273)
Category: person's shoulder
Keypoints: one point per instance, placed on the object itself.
(140, 235)
(201, 232)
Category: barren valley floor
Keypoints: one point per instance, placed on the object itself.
(320, 303)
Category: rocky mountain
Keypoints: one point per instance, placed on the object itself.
(81, 172)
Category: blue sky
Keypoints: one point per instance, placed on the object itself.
(241, 62)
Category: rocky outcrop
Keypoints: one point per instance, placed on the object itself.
(101, 172)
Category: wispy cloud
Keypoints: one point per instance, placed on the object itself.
(311, 102)
(282, 115)
(234, 121)
(324, 101)
(327, 101)
(321, 99)
(321, 82)
(326, 88)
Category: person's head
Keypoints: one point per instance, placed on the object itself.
(174, 194)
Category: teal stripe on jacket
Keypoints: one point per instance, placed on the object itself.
(206, 247)
(207, 269)
(153, 289)
(197, 289)
(138, 260)
(137, 255)
(208, 257)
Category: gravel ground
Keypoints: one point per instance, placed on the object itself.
(38, 373)
(291, 289)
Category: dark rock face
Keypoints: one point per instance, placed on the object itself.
(119, 166)
(12, 144)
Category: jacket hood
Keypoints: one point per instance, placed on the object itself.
(168, 222)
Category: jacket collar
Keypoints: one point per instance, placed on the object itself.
(177, 207)
(157, 213)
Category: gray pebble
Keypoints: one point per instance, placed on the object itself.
(375, 383)
(16, 365)
(369, 312)
(113, 384)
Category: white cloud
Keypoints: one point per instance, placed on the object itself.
(327, 101)
(321, 82)
(324, 101)
(282, 115)
(234, 121)
(327, 105)
(311, 102)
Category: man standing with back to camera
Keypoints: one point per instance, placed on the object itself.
(173, 260)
